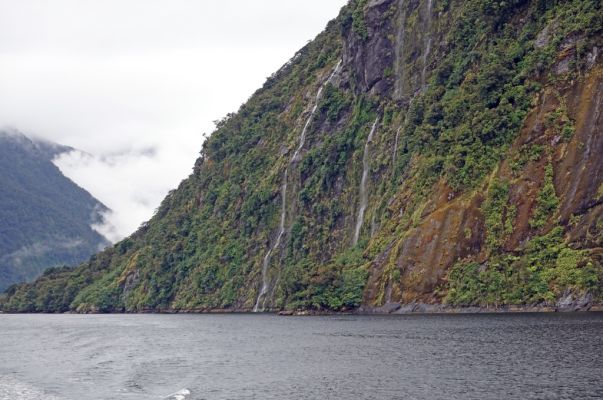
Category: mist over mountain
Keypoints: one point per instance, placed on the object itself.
(45, 219)
(415, 156)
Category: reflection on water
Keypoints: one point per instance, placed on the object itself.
(79, 357)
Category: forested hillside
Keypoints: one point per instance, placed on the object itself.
(45, 219)
(416, 154)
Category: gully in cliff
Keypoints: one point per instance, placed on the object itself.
(363, 191)
(260, 303)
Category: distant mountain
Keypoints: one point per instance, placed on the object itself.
(45, 218)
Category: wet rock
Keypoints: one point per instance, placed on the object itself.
(375, 3)
(569, 42)
(562, 66)
(406, 308)
(368, 58)
(543, 37)
(422, 308)
(591, 57)
(570, 302)
(387, 308)
(132, 280)
(428, 308)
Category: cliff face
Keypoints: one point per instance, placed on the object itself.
(433, 151)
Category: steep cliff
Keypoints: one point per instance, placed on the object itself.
(432, 151)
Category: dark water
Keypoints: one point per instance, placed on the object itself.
(269, 357)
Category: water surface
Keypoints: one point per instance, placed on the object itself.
(75, 357)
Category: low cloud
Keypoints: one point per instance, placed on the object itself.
(131, 183)
(134, 84)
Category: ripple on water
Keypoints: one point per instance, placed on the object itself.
(14, 389)
(215, 357)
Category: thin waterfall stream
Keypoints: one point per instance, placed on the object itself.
(396, 146)
(363, 182)
(281, 230)
(427, 47)
(404, 123)
(399, 52)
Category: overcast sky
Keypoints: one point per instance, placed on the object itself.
(134, 84)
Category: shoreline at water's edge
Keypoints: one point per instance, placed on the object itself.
(423, 309)
(388, 309)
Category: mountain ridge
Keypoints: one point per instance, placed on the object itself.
(416, 152)
(45, 218)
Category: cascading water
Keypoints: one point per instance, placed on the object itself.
(261, 299)
(404, 124)
(302, 137)
(399, 52)
(427, 47)
(363, 182)
(388, 291)
(399, 64)
(396, 146)
(281, 232)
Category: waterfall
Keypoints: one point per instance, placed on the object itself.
(396, 147)
(261, 299)
(399, 53)
(373, 225)
(427, 46)
(404, 124)
(388, 291)
(302, 137)
(281, 232)
(363, 182)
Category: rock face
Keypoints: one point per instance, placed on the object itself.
(481, 182)
(569, 302)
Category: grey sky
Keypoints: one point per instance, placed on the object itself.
(135, 83)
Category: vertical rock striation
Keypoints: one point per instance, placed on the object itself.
(483, 186)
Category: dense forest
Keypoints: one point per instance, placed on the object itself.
(422, 152)
(45, 218)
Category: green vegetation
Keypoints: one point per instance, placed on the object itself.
(547, 201)
(527, 154)
(44, 217)
(334, 287)
(358, 23)
(540, 274)
(438, 149)
(499, 214)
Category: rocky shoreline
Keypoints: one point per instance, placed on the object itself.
(388, 309)
(422, 309)
(566, 304)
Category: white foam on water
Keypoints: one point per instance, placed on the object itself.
(14, 389)
(182, 394)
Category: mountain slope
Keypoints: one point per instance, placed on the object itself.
(44, 217)
(416, 152)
